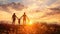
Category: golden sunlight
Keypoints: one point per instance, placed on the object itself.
(30, 23)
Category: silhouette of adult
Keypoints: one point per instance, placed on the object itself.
(24, 18)
(13, 18)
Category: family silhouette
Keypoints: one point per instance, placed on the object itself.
(24, 16)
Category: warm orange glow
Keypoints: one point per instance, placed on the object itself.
(31, 13)
(30, 23)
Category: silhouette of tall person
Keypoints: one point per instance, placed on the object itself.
(13, 18)
(24, 18)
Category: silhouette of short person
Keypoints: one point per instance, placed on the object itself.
(19, 20)
(13, 18)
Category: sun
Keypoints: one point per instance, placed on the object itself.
(30, 23)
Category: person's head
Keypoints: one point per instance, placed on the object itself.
(14, 13)
(24, 13)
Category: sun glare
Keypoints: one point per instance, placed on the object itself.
(30, 23)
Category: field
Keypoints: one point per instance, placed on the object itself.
(37, 28)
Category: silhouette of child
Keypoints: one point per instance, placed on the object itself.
(19, 20)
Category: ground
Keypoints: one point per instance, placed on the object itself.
(37, 28)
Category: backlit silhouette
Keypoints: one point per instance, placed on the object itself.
(19, 20)
(24, 18)
(13, 18)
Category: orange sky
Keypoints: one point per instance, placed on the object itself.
(43, 15)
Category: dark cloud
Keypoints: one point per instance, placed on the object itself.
(54, 11)
(15, 6)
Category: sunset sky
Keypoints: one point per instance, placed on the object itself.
(36, 10)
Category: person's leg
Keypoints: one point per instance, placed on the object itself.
(24, 22)
(19, 22)
(13, 21)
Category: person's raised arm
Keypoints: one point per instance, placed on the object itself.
(21, 16)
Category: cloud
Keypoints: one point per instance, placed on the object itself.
(40, 3)
(3, 1)
(9, 1)
(53, 11)
(55, 5)
(58, 9)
